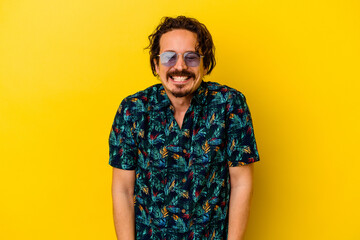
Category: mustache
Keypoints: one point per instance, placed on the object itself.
(184, 73)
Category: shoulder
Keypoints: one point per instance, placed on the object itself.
(134, 107)
(224, 94)
(140, 101)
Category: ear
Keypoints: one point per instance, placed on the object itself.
(156, 67)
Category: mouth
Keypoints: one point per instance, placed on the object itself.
(181, 77)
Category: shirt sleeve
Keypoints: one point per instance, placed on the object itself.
(241, 146)
(122, 147)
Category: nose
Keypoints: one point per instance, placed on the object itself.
(180, 64)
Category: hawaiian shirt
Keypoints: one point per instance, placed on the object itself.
(182, 185)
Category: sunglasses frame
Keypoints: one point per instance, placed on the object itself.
(177, 58)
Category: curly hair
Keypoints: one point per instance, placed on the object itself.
(205, 42)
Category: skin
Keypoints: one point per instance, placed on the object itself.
(180, 95)
(241, 183)
(123, 182)
(179, 41)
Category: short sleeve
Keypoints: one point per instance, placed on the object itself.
(122, 147)
(241, 146)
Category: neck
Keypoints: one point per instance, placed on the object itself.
(181, 104)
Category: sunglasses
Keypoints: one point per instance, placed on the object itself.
(169, 59)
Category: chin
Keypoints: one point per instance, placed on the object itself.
(180, 91)
(180, 94)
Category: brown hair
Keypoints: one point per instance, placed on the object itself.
(205, 43)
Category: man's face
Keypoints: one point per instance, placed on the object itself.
(179, 80)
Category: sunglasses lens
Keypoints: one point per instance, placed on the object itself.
(192, 59)
(168, 59)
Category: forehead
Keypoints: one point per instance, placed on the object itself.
(178, 40)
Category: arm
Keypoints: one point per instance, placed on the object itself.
(240, 198)
(123, 203)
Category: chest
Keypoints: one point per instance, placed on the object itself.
(201, 140)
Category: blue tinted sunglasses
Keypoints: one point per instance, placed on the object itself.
(169, 58)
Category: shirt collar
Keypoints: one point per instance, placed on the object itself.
(201, 93)
(162, 100)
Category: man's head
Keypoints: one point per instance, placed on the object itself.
(181, 53)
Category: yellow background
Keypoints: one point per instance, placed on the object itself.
(65, 65)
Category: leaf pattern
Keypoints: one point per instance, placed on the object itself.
(182, 185)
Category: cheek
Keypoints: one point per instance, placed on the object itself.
(198, 74)
(163, 72)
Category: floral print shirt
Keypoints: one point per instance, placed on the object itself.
(182, 185)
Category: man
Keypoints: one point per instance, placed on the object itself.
(181, 150)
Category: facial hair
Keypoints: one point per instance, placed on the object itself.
(180, 73)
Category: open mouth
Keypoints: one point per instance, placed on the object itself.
(180, 76)
(180, 79)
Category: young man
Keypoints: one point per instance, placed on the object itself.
(181, 150)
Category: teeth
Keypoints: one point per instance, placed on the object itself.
(179, 79)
